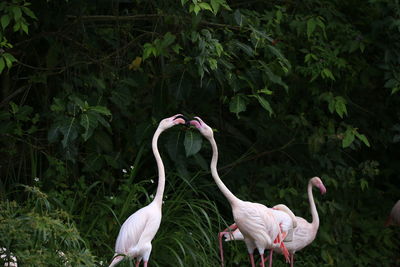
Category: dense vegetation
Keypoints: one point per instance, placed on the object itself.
(294, 89)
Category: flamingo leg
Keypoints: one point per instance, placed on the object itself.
(279, 240)
(270, 257)
(221, 248)
(220, 235)
(137, 263)
(145, 263)
(291, 260)
(262, 260)
(252, 260)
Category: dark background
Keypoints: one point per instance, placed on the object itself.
(293, 89)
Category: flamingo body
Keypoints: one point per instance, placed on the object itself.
(303, 235)
(304, 232)
(256, 222)
(137, 232)
(257, 225)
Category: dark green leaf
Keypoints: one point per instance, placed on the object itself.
(237, 104)
(101, 109)
(192, 142)
(215, 4)
(17, 12)
(168, 39)
(340, 106)
(348, 138)
(363, 139)
(245, 48)
(89, 123)
(5, 20)
(2, 65)
(69, 130)
(238, 17)
(265, 104)
(311, 24)
(29, 13)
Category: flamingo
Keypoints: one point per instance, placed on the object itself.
(256, 222)
(137, 232)
(284, 217)
(304, 233)
(394, 217)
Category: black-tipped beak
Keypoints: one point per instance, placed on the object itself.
(187, 122)
(196, 119)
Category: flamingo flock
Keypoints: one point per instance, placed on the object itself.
(261, 228)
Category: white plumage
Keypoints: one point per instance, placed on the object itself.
(255, 221)
(304, 232)
(137, 232)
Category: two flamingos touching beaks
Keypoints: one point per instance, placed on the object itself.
(275, 229)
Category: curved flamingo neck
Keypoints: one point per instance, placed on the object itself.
(222, 187)
(160, 166)
(313, 208)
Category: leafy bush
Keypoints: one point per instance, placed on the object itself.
(39, 235)
(293, 89)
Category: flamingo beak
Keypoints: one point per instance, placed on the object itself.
(195, 122)
(182, 120)
(322, 189)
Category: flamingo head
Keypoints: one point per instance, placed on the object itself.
(317, 182)
(203, 128)
(172, 121)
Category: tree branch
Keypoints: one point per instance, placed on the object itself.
(143, 17)
(109, 17)
(259, 155)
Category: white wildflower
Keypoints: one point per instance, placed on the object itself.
(124, 170)
(13, 259)
(132, 167)
(36, 179)
(152, 181)
(151, 196)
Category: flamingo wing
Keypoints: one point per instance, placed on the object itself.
(131, 231)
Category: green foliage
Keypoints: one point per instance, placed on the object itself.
(39, 235)
(14, 14)
(294, 89)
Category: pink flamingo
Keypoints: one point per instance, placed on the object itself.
(283, 216)
(137, 232)
(256, 222)
(394, 217)
(304, 233)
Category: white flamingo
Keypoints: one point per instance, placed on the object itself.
(283, 216)
(305, 232)
(256, 222)
(137, 232)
